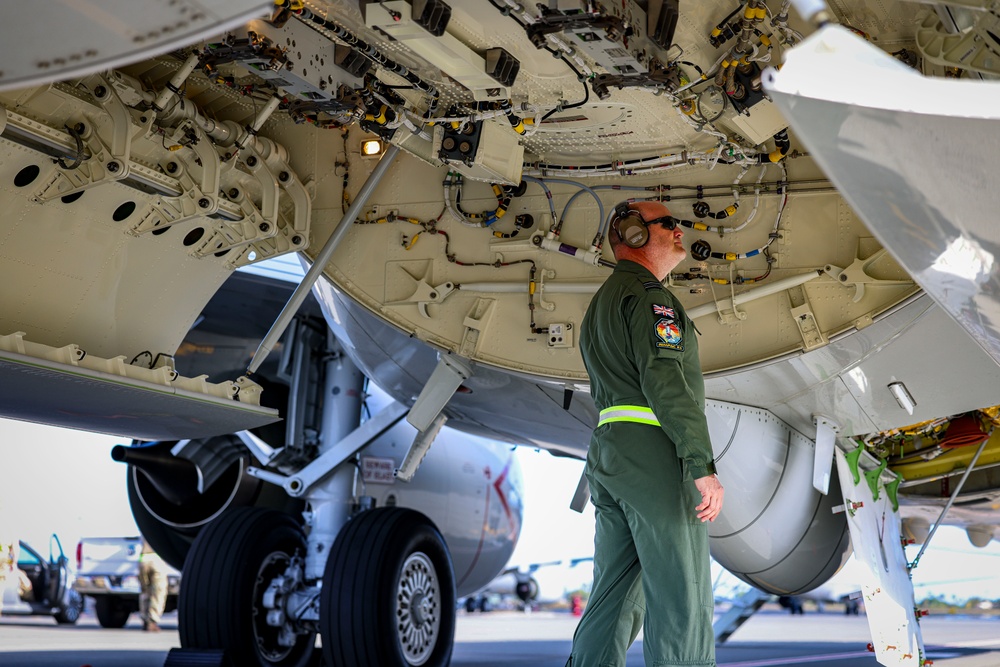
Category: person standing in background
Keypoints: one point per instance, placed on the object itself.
(153, 583)
(8, 560)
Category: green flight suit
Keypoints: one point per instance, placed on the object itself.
(650, 548)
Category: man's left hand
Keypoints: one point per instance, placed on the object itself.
(711, 497)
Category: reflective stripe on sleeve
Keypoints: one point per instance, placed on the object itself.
(639, 414)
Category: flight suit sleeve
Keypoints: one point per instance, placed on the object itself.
(659, 334)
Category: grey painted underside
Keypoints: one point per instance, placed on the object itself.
(71, 397)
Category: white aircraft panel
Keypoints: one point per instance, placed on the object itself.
(887, 589)
(83, 37)
(916, 157)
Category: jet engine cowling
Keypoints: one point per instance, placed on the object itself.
(776, 531)
(169, 503)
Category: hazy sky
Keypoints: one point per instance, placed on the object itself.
(53, 480)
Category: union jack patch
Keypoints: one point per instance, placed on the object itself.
(664, 311)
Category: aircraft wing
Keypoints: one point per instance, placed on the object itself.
(915, 156)
(66, 388)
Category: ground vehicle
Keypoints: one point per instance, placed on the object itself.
(42, 587)
(108, 571)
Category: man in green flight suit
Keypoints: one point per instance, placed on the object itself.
(650, 466)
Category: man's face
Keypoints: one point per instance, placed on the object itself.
(666, 243)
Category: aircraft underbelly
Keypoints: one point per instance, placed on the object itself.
(495, 404)
(907, 164)
(123, 33)
(849, 377)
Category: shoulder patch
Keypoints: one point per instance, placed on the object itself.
(664, 311)
(652, 285)
(668, 334)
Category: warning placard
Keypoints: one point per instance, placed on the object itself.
(378, 470)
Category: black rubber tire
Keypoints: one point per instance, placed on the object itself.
(112, 612)
(70, 614)
(358, 614)
(220, 600)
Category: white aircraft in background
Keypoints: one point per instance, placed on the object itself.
(843, 588)
(448, 170)
(532, 585)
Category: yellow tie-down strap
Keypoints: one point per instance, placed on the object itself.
(639, 414)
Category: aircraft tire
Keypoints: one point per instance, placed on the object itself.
(228, 569)
(111, 611)
(385, 563)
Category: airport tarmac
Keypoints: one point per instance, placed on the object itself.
(541, 639)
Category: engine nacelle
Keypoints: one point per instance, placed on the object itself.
(170, 507)
(776, 531)
(916, 529)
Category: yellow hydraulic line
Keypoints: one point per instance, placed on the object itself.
(954, 460)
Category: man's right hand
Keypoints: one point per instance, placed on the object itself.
(711, 497)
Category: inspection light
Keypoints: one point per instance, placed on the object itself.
(903, 396)
(371, 147)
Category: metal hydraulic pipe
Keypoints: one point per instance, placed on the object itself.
(512, 287)
(258, 121)
(766, 290)
(176, 81)
(951, 500)
(178, 480)
(321, 260)
(591, 256)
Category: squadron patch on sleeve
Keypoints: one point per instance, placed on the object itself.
(668, 334)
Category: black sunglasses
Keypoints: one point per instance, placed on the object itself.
(667, 221)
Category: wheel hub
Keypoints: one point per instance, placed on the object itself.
(418, 608)
(274, 635)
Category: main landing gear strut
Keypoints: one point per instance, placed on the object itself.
(377, 586)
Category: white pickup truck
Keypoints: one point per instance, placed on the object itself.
(107, 569)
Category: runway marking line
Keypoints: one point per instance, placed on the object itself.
(992, 643)
(795, 660)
